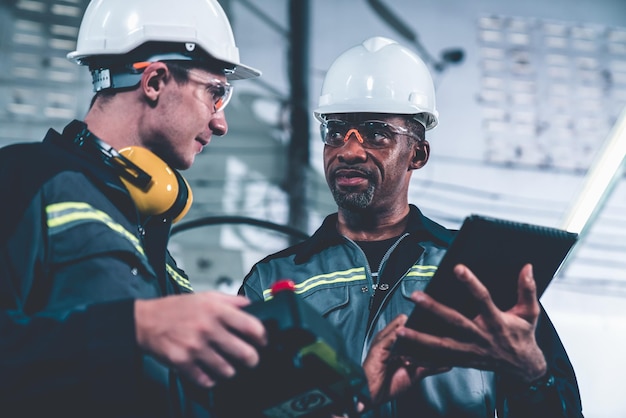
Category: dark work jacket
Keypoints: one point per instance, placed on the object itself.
(331, 272)
(74, 255)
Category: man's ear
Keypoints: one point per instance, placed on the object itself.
(153, 79)
(421, 152)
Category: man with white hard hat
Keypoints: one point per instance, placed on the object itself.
(365, 268)
(96, 319)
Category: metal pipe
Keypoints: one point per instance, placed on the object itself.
(298, 153)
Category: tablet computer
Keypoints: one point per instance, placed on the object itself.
(495, 250)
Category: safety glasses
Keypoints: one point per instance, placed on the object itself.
(219, 91)
(374, 134)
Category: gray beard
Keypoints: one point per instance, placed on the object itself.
(353, 201)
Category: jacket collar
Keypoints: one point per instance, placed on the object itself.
(87, 156)
(328, 236)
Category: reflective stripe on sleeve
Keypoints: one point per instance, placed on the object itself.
(65, 215)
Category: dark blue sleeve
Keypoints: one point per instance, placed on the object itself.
(85, 356)
(560, 400)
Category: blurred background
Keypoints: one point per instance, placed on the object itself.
(530, 96)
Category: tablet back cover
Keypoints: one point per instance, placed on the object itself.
(495, 250)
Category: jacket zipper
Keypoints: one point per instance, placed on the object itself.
(374, 285)
(388, 253)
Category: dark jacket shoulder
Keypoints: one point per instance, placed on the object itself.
(30, 165)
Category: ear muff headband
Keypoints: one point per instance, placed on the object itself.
(168, 193)
(109, 155)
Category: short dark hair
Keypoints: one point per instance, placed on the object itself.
(103, 95)
(179, 69)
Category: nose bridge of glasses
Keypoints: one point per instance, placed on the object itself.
(356, 133)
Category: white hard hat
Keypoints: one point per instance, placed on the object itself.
(379, 76)
(182, 29)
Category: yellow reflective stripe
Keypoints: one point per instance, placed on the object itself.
(346, 276)
(67, 214)
(181, 280)
(422, 271)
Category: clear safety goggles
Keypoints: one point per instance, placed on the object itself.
(374, 134)
(220, 92)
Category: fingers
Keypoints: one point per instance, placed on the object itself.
(219, 360)
(389, 332)
(443, 320)
(431, 342)
(230, 332)
(383, 342)
(206, 366)
(492, 340)
(527, 306)
(206, 336)
(477, 289)
(206, 369)
(245, 325)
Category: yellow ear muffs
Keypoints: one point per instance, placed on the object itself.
(167, 193)
(155, 188)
